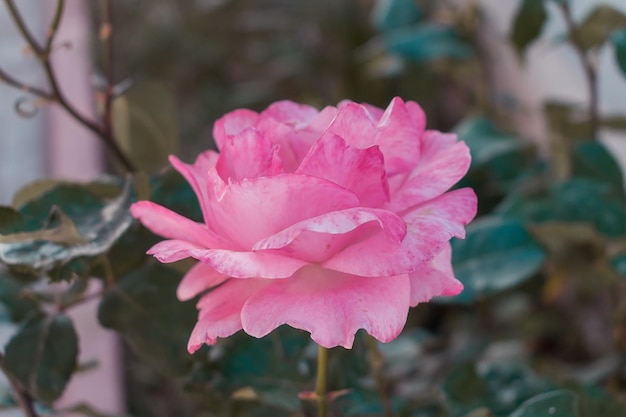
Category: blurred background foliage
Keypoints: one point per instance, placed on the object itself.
(540, 329)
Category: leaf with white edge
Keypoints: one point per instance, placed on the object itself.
(497, 254)
(42, 356)
(528, 24)
(550, 404)
(99, 224)
(65, 233)
(597, 27)
(392, 14)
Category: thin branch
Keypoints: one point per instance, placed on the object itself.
(106, 34)
(6, 78)
(588, 66)
(54, 26)
(24, 400)
(104, 131)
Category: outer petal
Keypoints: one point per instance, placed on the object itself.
(361, 171)
(443, 163)
(220, 311)
(435, 279)
(429, 227)
(255, 208)
(232, 123)
(171, 225)
(331, 306)
(317, 239)
(232, 263)
(248, 155)
(199, 278)
(355, 125)
(196, 176)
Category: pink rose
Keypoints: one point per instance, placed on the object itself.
(329, 221)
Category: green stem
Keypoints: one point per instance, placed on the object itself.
(589, 68)
(377, 370)
(322, 381)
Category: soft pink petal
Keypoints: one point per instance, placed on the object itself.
(361, 171)
(331, 306)
(255, 208)
(247, 155)
(435, 279)
(398, 134)
(232, 123)
(232, 263)
(220, 311)
(173, 250)
(317, 239)
(443, 163)
(429, 227)
(374, 112)
(355, 125)
(289, 112)
(294, 141)
(171, 225)
(196, 176)
(199, 278)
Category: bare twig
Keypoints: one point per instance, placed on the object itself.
(589, 67)
(106, 34)
(24, 87)
(24, 400)
(103, 130)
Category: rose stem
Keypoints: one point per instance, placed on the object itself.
(321, 384)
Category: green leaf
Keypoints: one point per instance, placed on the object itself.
(497, 254)
(619, 264)
(100, 224)
(171, 190)
(598, 26)
(550, 404)
(618, 38)
(576, 200)
(11, 296)
(142, 306)
(388, 15)
(427, 42)
(65, 233)
(12, 221)
(591, 159)
(529, 21)
(146, 125)
(42, 356)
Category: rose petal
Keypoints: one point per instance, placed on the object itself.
(196, 176)
(256, 208)
(248, 155)
(443, 163)
(220, 311)
(331, 306)
(361, 171)
(429, 227)
(329, 233)
(166, 223)
(232, 123)
(398, 133)
(355, 125)
(435, 279)
(228, 262)
(199, 278)
(289, 112)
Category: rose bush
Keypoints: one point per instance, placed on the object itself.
(329, 221)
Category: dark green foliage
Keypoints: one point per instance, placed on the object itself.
(619, 43)
(496, 255)
(42, 355)
(142, 306)
(598, 25)
(427, 42)
(529, 20)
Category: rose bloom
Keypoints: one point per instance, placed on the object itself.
(329, 221)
